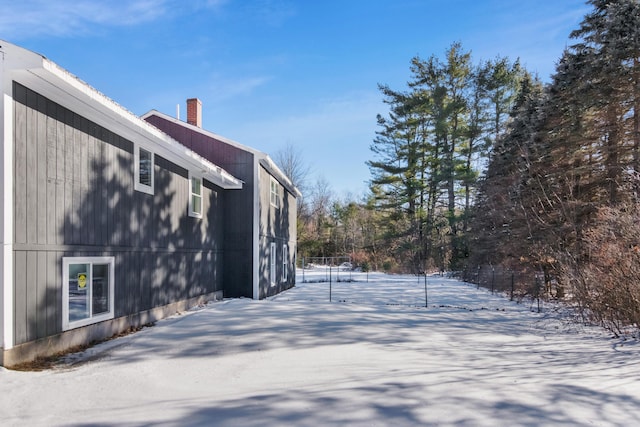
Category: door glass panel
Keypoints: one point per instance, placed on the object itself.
(100, 289)
(78, 291)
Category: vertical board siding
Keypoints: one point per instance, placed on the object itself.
(41, 185)
(92, 193)
(31, 287)
(41, 293)
(20, 164)
(31, 170)
(74, 187)
(53, 301)
(277, 224)
(110, 190)
(51, 167)
(237, 208)
(60, 183)
(20, 297)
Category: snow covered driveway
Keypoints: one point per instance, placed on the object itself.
(375, 356)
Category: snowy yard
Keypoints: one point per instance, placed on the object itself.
(375, 356)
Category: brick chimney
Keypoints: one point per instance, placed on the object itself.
(194, 112)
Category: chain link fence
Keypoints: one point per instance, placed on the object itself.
(517, 285)
(330, 269)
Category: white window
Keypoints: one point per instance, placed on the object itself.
(275, 193)
(285, 259)
(195, 199)
(272, 264)
(143, 170)
(87, 291)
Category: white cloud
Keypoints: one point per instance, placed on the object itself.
(29, 18)
(273, 13)
(222, 89)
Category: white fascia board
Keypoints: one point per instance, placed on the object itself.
(6, 262)
(6, 209)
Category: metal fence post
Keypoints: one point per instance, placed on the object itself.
(512, 285)
(329, 283)
(426, 297)
(538, 294)
(493, 278)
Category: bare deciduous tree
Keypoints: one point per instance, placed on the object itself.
(292, 163)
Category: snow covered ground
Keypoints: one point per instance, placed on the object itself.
(375, 356)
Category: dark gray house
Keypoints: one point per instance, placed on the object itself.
(106, 221)
(260, 219)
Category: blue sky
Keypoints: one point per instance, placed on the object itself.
(277, 72)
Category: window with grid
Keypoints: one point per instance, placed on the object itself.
(275, 193)
(195, 201)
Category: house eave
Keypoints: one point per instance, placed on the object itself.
(50, 80)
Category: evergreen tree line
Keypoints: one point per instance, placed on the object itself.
(429, 152)
(482, 165)
(560, 193)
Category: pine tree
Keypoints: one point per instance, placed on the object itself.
(398, 171)
(430, 147)
(564, 179)
(502, 229)
(609, 54)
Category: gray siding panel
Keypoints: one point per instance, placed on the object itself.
(145, 282)
(53, 297)
(277, 225)
(41, 185)
(238, 205)
(60, 182)
(20, 296)
(51, 167)
(20, 165)
(32, 311)
(31, 171)
(74, 196)
(41, 293)
(73, 155)
(111, 191)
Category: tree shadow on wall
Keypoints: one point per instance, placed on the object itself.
(277, 223)
(162, 255)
